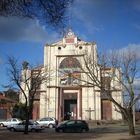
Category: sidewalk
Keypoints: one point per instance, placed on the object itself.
(109, 132)
(117, 136)
(115, 132)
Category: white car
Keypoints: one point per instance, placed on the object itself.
(48, 122)
(10, 122)
(33, 126)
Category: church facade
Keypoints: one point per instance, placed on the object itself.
(66, 95)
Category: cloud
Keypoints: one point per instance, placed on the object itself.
(20, 29)
(130, 48)
(134, 48)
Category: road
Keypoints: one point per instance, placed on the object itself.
(96, 133)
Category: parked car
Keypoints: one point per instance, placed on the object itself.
(33, 126)
(72, 126)
(10, 122)
(48, 122)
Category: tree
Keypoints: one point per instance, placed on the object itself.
(51, 12)
(28, 82)
(116, 72)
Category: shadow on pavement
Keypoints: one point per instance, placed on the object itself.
(97, 133)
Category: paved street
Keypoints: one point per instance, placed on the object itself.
(96, 133)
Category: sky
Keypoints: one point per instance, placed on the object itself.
(112, 24)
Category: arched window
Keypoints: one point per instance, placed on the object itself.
(69, 71)
(69, 62)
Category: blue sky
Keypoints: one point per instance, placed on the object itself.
(110, 23)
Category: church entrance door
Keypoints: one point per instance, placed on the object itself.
(70, 109)
(69, 103)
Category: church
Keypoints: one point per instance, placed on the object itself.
(65, 95)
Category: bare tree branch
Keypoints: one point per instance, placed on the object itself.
(114, 73)
(48, 12)
(28, 81)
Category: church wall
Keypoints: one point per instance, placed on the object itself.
(90, 97)
(46, 51)
(116, 94)
(43, 104)
(85, 104)
(91, 102)
(51, 102)
(98, 106)
(118, 97)
(52, 65)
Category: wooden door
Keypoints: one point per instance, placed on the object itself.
(106, 109)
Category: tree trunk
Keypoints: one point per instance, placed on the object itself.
(131, 128)
(26, 122)
(31, 108)
(26, 126)
(28, 115)
(131, 124)
(128, 116)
